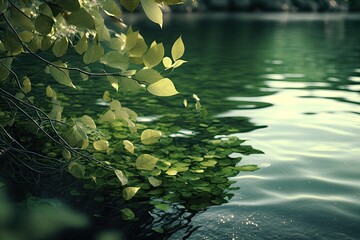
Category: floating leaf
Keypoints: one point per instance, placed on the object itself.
(152, 11)
(127, 214)
(60, 46)
(109, 116)
(208, 163)
(106, 96)
(150, 136)
(154, 55)
(148, 75)
(154, 181)
(162, 206)
(93, 53)
(115, 59)
(76, 169)
(178, 49)
(171, 172)
(101, 145)
(146, 162)
(121, 176)
(61, 75)
(43, 24)
(129, 192)
(247, 168)
(81, 19)
(129, 146)
(164, 88)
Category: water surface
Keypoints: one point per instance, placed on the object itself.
(298, 76)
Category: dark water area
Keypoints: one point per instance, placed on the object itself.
(298, 77)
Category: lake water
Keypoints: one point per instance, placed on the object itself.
(296, 77)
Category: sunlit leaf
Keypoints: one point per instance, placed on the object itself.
(93, 53)
(139, 49)
(115, 59)
(109, 116)
(88, 121)
(116, 43)
(76, 169)
(178, 63)
(131, 113)
(115, 105)
(106, 96)
(178, 49)
(154, 55)
(121, 114)
(121, 176)
(167, 62)
(129, 85)
(129, 146)
(131, 125)
(60, 46)
(75, 136)
(131, 39)
(130, 4)
(101, 145)
(127, 214)
(43, 24)
(61, 75)
(82, 45)
(152, 11)
(171, 172)
(49, 92)
(81, 19)
(150, 136)
(247, 168)
(146, 162)
(148, 75)
(129, 192)
(164, 87)
(154, 181)
(111, 8)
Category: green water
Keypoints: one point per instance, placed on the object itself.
(297, 78)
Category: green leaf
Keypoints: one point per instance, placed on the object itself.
(49, 92)
(171, 172)
(76, 169)
(109, 116)
(93, 53)
(127, 214)
(88, 122)
(150, 136)
(26, 36)
(152, 11)
(12, 44)
(163, 88)
(121, 176)
(148, 75)
(81, 45)
(115, 105)
(46, 43)
(69, 5)
(131, 113)
(167, 62)
(3, 6)
(43, 24)
(131, 39)
(116, 43)
(178, 63)
(154, 55)
(26, 84)
(101, 145)
(146, 162)
(129, 85)
(129, 192)
(66, 154)
(60, 46)
(81, 19)
(115, 59)
(21, 20)
(106, 96)
(4, 72)
(110, 8)
(130, 4)
(45, 10)
(178, 49)
(61, 75)
(162, 206)
(76, 137)
(247, 168)
(154, 181)
(139, 49)
(129, 146)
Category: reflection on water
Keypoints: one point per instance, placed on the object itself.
(299, 76)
